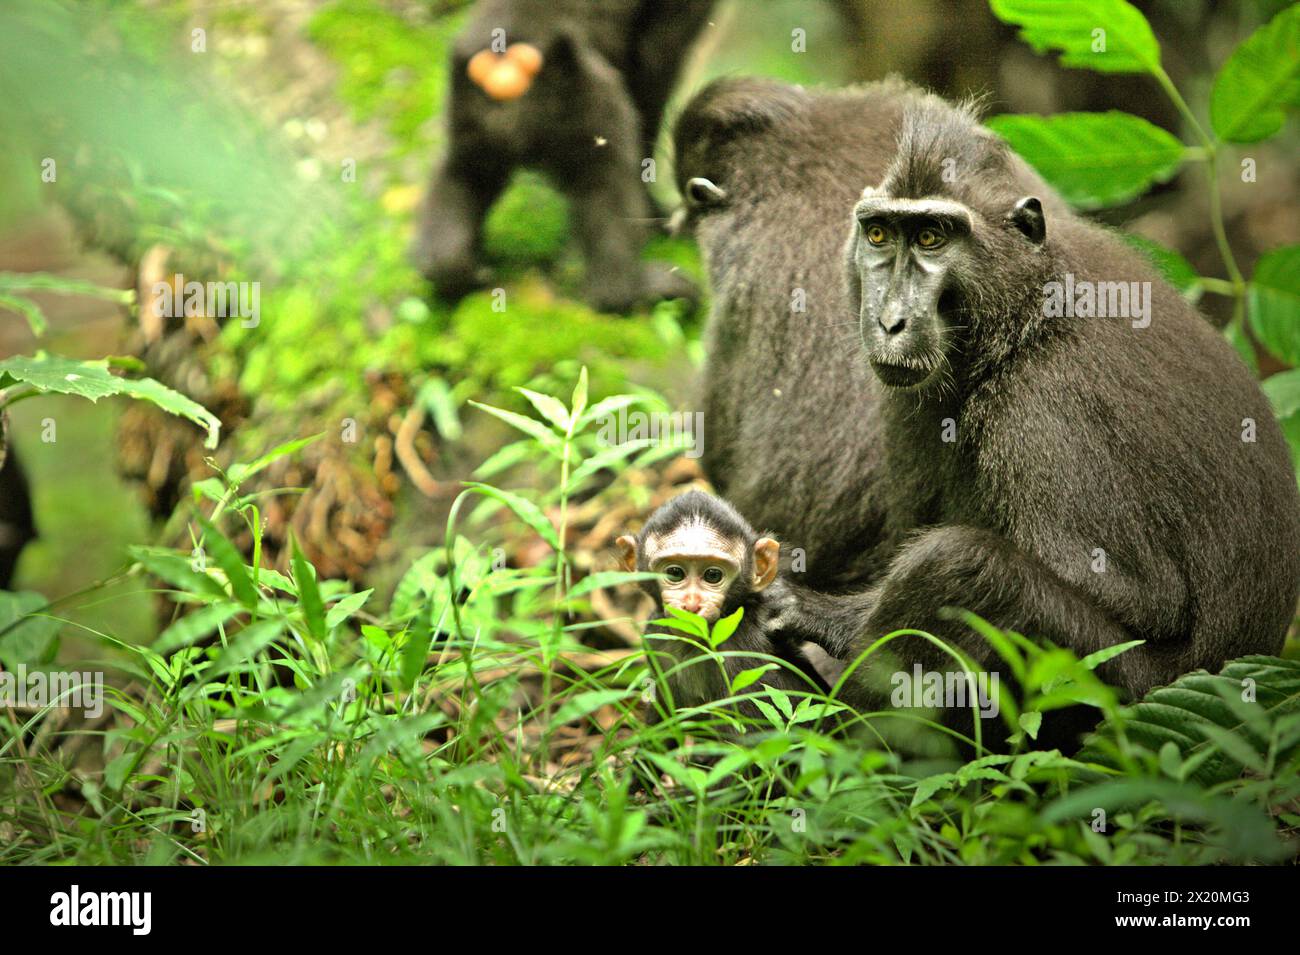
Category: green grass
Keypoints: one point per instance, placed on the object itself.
(286, 720)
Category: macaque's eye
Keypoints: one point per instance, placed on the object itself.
(876, 234)
(930, 239)
(675, 574)
(713, 575)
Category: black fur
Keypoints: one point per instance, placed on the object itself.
(794, 428)
(17, 526)
(588, 120)
(1071, 434)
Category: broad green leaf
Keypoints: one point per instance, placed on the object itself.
(1258, 81)
(1109, 36)
(1030, 723)
(1093, 159)
(415, 653)
(524, 509)
(93, 380)
(1274, 303)
(1192, 714)
(26, 636)
(1283, 392)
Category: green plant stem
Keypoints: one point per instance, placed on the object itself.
(1211, 148)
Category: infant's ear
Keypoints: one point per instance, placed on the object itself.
(627, 552)
(767, 553)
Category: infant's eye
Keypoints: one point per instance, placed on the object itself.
(929, 239)
(713, 576)
(876, 234)
(675, 574)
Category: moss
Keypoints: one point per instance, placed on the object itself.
(390, 68)
(537, 331)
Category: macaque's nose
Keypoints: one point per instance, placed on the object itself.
(691, 602)
(892, 318)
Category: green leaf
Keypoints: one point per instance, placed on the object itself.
(1283, 392)
(416, 651)
(684, 622)
(1093, 159)
(524, 509)
(93, 380)
(177, 571)
(1068, 26)
(1274, 303)
(438, 400)
(249, 642)
(31, 639)
(724, 628)
(552, 409)
(1094, 660)
(231, 563)
(304, 578)
(1260, 78)
(1191, 713)
(346, 607)
(544, 435)
(749, 677)
(609, 578)
(579, 398)
(239, 473)
(194, 626)
(1030, 723)
(584, 704)
(1175, 269)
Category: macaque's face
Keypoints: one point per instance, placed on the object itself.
(700, 566)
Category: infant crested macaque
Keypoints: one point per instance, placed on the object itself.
(712, 562)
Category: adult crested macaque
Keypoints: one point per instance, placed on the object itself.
(575, 89)
(1071, 451)
(17, 527)
(711, 562)
(767, 172)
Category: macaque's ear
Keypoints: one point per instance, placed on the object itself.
(1028, 217)
(766, 552)
(627, 552)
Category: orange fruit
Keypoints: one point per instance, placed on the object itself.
(526, 56)
(507, 81)
(480, 65)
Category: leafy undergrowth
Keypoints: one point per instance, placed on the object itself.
(286, 719)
